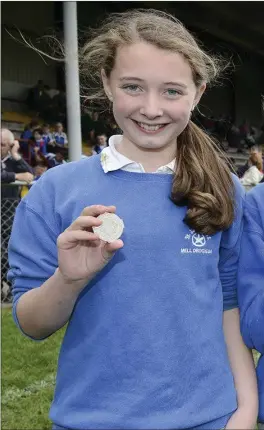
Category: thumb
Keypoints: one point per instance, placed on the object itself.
(109, 249)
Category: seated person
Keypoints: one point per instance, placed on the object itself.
(14, 168)
(59, 136)
(39, 170)
(56, 159)
(256, 149)
(39, 142)
(101, 143)
(254, 174)
(47, 136)
(26, 137)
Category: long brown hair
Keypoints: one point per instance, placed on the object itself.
(202, 180)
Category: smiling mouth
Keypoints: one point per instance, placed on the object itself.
(149, 128)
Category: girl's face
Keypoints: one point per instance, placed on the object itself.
(153, 94)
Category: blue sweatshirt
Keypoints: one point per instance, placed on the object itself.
(251, 281)
(144, 347)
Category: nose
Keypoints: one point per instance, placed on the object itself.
(151, 107)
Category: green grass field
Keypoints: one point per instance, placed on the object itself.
(28, 377)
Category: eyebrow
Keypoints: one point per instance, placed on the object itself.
(132, 78)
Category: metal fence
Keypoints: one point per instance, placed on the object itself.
(11, 196)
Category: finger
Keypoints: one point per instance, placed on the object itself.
(84, 222)
(70, 237)
(96, 210)
(110, 248)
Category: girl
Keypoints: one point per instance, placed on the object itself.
(39, 142)
(47, 137)
(153, 336)
(251, 282)
(59, 137)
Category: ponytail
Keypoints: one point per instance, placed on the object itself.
(202, 182)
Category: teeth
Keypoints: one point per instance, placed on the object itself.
(150, 127)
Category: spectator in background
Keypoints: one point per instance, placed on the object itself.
(56, 159)
(34, 95)
(13, 167)
(38, 142)
(27, 134)
(38, 148)
(59, 137)
(254, 174)
(26, 137)
(39, 170)
(253, 150)
(48, 138)
(101, 143)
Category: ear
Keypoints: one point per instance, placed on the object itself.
(106, 85)
(199, 94)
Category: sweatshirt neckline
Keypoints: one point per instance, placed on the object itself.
(135, 176)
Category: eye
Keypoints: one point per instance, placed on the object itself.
(172, 92)
(132, 88)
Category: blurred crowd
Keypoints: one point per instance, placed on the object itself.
(230, 135)
(243, 139)
(45, 145)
